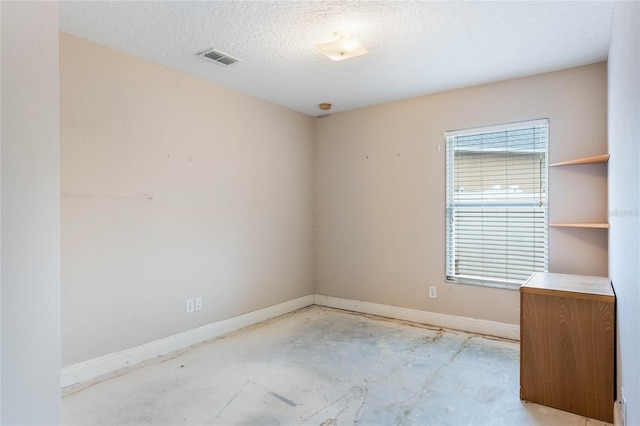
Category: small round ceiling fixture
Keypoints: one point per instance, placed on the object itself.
(325, 106)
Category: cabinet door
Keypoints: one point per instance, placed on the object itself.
(567, 354)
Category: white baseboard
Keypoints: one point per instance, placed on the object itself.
(96, 367)
(472, 325)
(617, 414)
(91, 369)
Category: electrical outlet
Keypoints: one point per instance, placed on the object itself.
(433, 293)
(190, 306)
(198, 303)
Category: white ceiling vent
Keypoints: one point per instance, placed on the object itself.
(218, 57)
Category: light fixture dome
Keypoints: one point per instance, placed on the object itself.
(345, 46)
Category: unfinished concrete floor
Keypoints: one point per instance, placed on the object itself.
(321, 366)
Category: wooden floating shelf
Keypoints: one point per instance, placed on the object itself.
(587, 160)
(597, 225)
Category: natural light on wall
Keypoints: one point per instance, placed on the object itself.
(344, 47)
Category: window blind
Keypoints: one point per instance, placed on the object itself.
(497, 203)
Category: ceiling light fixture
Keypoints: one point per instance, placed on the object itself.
(345, 46)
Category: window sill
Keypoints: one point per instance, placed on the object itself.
(490, 284)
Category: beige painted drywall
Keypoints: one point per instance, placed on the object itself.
(380, 190)
(30, 213)
(624, 198)
(173, 188)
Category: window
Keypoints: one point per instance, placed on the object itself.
(497, 203)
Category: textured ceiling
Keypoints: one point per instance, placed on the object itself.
(416, 48)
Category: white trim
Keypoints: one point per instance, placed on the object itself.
(498, 127)
(96, 367)
(472, 325)
(617, 414)
(93, 368)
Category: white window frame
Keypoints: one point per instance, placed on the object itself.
(458, 205)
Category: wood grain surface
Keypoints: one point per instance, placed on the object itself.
(567, 352)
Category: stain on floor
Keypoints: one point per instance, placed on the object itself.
(321, 366)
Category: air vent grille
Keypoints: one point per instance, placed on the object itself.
(218, 57)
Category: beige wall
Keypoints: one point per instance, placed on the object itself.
(173, 188)
(624, 197)
(380, 190)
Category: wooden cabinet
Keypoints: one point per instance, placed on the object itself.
(567, 335)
